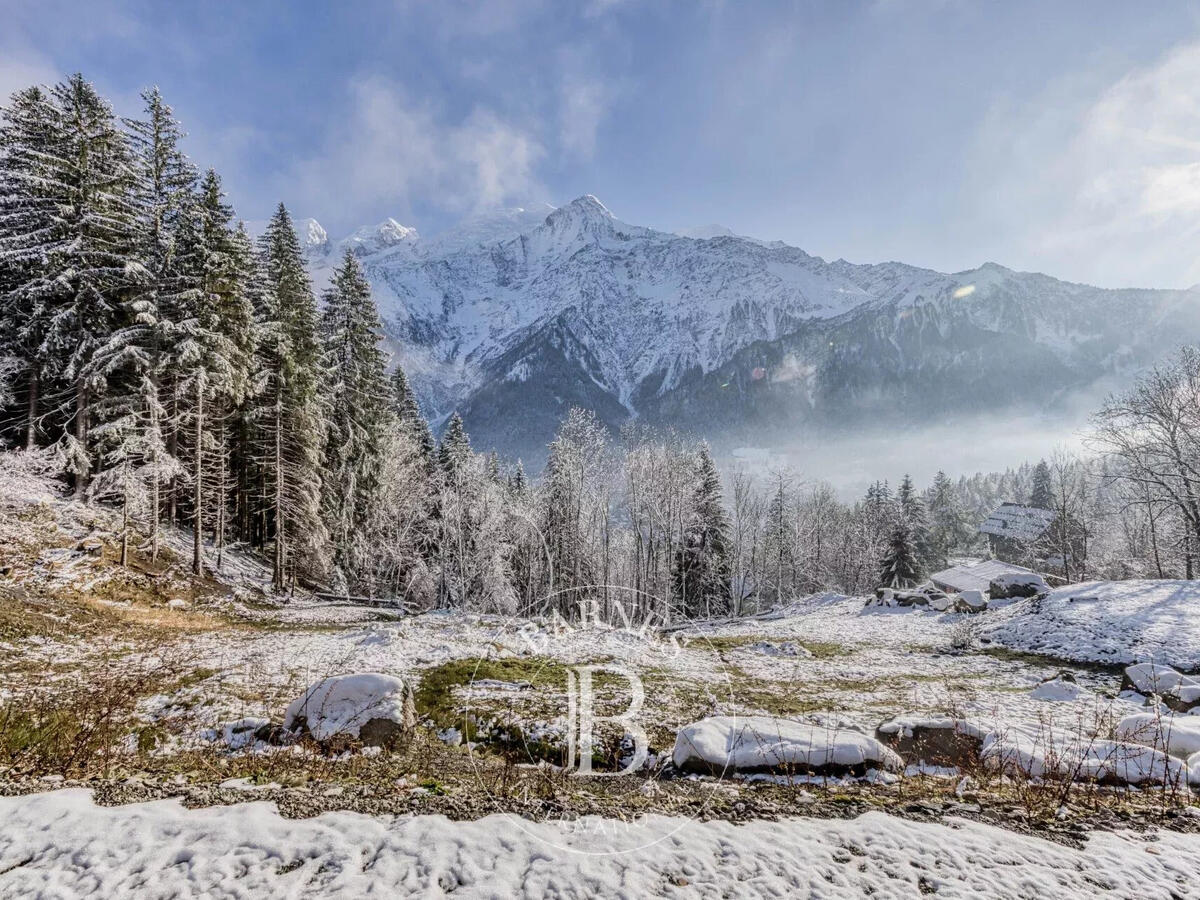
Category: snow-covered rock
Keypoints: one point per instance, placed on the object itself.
(1061, 689)
(1107, 621)
(721, 744)
(1016, 585)
(971, 601)
(1177, 735)
(371, 707)
(242, 733)
(1151, 678)
(1043, 752)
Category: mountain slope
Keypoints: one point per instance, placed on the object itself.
(512, 323)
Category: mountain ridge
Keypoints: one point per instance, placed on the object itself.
(730, 334)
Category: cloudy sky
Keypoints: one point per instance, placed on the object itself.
(1054, 136)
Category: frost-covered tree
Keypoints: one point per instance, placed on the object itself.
(948, 528)
(1042, 495)
(290, 413)
(408, 415)
(139, 355)
(911, 508)
(357, 417)
(30, 233)
(900, 567)
(701, 577)
(455, 448)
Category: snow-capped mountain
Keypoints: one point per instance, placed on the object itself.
(515, 316)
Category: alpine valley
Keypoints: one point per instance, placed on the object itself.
(515, 316)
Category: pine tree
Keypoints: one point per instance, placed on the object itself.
(900, 567)
(455, 448)
(948, 528)
(95, 268)
(408, 415)
(911, 508)
(30, 233)
(1042, 496)
(138, 355)
(779, 536)
(290, 413)
(357, 393)
(701, 577)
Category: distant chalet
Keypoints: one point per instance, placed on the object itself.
(1012, 529)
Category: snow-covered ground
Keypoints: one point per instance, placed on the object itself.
(1109, 622)
(60, 845)
(827, 664)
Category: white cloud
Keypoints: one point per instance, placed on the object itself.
(19, 70)
(1101, 182)
(390, 147)
(584, 102)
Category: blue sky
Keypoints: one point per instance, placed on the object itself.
(1055, 136)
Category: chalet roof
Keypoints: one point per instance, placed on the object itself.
(1020, 523)
(975, 576)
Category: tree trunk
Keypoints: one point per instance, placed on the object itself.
(277, 578)
(198, 485)
(81, 430)
(125, 521)
(31, 423)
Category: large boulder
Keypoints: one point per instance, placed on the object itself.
(971, 602)
(1051, 753)
(933, 740)
(372, 708)
(1178, 691)
(1176, 735)
(766, 744)
(1017, 586)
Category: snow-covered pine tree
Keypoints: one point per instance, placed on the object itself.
(912, 508)
(30, 231)
(701, 571)
(209, 367)
(290, 413)
(231, 432)
(778, 536)
(455, 448)
(900, 567)
(91, 173)
(408, 415)
(454, 511)
(1042, 495)
(226, 320)
(948, 527)
(139, 354)
(357, 393)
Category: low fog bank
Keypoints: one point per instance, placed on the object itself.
(851, 461)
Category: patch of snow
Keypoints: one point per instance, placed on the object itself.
(60, 844)
(1109, 622)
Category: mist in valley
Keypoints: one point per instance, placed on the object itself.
(850, 461)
